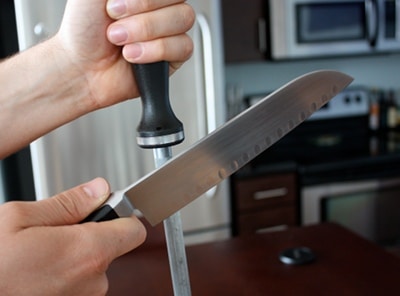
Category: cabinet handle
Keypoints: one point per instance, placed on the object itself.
(262, 35)
(272, 228)
(271, 193)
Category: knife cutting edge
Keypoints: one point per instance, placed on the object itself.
(221, 153)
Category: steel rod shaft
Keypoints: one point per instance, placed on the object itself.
(174, 239)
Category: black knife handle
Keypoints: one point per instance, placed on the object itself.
(104, 213)
(159, 127)
(117, 206)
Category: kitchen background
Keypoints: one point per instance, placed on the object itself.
(380, 71)
(230, 65)
(344, 165)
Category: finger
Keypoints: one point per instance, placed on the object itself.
(120, 9)
(71, 206)
(173, 20)
(111, 239)
(176, 49)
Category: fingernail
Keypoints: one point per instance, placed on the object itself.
(116, 8)
(117, 34)
(97, 188)
(133, 51)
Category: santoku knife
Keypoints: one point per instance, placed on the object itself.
(218, 155)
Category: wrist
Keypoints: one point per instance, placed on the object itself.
(41, 90)
(71, 81)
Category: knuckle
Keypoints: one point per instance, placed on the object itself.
(68, 205)
(92, 266)
(162, 48)
(103, 286)
(188, 47)
(96, 259)
(189, 15)
(15, 210)
(145, 29)
(143, 5)
(141, 232)
(98, 264)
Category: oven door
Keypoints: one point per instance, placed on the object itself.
(389, 25)
(370, 208)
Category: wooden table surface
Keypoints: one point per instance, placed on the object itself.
(345, 265)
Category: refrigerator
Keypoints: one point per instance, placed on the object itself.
(16, 179)
(103, 143)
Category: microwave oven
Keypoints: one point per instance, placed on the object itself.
(318, 28)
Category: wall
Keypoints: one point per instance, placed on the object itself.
(374, 71)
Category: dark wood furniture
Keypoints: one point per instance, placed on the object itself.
(241, 22)
(264, 202)
(345, 265)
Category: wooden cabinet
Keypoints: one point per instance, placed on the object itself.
(264, 202)
(243, 24)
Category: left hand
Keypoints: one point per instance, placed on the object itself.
(43, 251)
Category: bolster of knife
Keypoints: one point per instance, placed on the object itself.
(117, 206)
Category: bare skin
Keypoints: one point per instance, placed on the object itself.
(84, 67)
(81, 69)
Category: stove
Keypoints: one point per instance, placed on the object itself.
(346, 172)
(338, 131)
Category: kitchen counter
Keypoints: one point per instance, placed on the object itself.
(326, 151)
(345, 265)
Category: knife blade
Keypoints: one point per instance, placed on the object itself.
(218, 155)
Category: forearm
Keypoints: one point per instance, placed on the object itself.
(41, 90)
(81, 69)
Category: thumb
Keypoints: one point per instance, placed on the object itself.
(71, 206)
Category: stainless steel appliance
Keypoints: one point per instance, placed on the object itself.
(315, 28)
(15, 171)
(345, 172)
(353, 178)
(369, 207)
(8, 37)
(81, 150)
(353, 101)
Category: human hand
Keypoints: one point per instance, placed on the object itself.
(44, 251)
(93, 32)
(80, 70)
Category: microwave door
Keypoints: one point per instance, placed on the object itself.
(388, 26)
(312, 28)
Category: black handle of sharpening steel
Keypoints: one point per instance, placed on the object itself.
(117, 206)
(159, 127)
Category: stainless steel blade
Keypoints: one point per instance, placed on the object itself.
(223, 152)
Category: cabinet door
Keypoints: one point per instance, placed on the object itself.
(241, 22)
(266, 191)
(264, 202)
(274, 218)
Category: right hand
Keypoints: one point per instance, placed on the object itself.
(101, 42)
(43, 251)
(85, 67)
